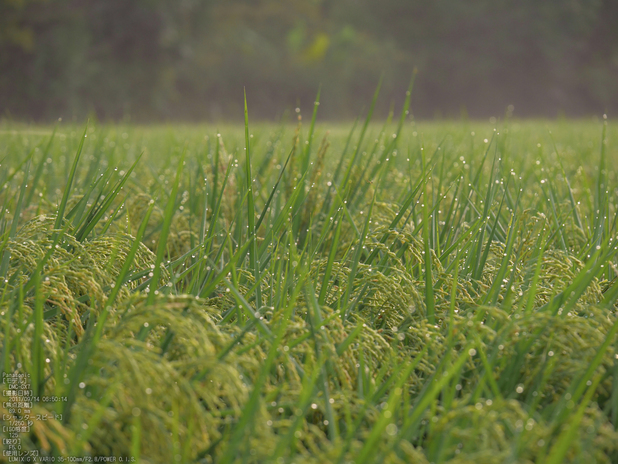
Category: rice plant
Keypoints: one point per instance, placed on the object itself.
(390, 292)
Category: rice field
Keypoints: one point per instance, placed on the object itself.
(394, 292)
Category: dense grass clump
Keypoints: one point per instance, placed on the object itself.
(409, 292)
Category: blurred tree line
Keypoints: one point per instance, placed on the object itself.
(190, 59)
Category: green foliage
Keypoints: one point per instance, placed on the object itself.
(409, 292)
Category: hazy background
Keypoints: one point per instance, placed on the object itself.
(158, 60)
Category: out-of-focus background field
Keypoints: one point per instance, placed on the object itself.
(167, 60)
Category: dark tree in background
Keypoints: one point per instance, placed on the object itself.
(190, 59)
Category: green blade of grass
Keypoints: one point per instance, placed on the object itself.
(253, 250)
(69, 183)
(93, 220)
(429, 301)
(39, 170)
(167, 222)
(344, 303)
(329, 264)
